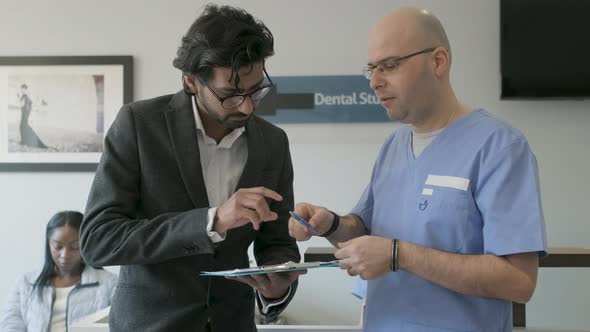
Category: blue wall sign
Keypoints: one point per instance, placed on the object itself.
(321, 99)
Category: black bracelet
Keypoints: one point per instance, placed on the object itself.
(334, 226)
(391, 263)
(394, 255)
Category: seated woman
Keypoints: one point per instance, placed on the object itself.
(65, 290)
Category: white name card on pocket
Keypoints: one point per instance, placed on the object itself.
(447, 181)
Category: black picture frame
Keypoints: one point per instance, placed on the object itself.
(89, 88)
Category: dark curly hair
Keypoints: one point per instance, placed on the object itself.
(223, 36)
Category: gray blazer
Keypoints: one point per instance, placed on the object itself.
(147, 211)
(26, 311)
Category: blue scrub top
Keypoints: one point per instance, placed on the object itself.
(473, 190)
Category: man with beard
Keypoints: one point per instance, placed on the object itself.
(188, 181)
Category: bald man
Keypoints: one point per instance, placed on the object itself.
(450, 227)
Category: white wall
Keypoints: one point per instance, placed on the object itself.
(332, 162)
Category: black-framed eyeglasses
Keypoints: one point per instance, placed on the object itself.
(392, 63)
(234, 101)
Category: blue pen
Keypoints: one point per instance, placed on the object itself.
(303, 222)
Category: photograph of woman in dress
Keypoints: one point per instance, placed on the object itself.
(28, 136)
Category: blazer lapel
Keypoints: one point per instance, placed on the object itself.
(182, 130)
(256, 156)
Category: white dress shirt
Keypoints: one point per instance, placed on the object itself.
(222, 166)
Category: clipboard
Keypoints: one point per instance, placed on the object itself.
(285, 267)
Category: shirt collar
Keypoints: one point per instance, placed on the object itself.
(227, 141)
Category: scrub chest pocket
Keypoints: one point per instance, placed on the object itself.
(441, 219)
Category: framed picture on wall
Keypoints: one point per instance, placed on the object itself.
(56, 110)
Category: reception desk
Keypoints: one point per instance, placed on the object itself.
(558, 257)
(98, 322)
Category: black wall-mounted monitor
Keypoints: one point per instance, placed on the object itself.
(545, 48)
